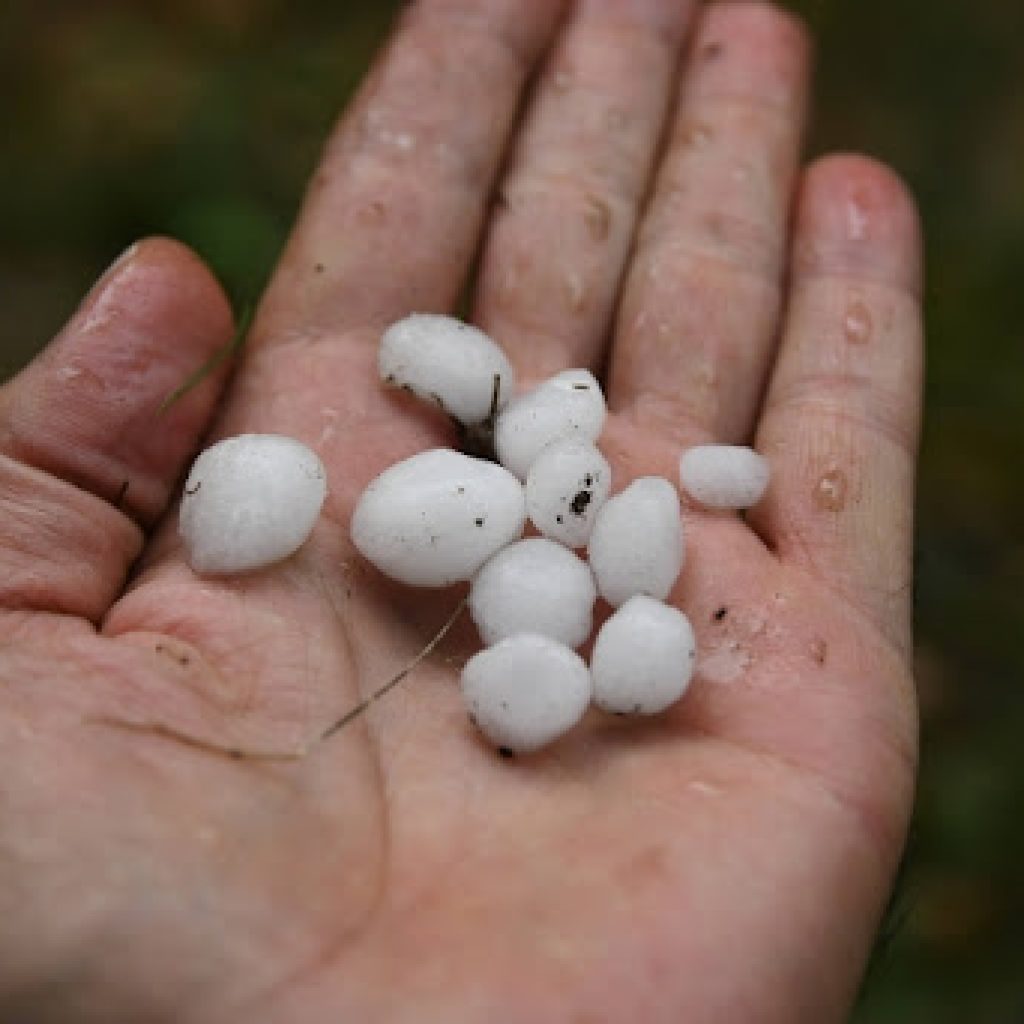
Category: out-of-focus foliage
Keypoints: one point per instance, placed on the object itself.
(202, 119)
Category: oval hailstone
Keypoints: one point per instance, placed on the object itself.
(447, 362)
(566, 485)
(643, 658)
(526, 691)
(435, 518)
(534, 586)
(250, 501)
(724, 475)
(636, 546)
(568, 405)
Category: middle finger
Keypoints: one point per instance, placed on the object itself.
(701, 305)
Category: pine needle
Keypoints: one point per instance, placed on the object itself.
(221, 356)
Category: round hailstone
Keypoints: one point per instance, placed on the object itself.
(447, 362)
(526, 691)
(636, 546)
(534, 586)
(643, 658)
(567, 483)
(250, 501)
(724, 475)
(568, 405)
(435, 518)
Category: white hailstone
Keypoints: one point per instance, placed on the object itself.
(526, 691)
(643, 658)
(636, 546)
(568, 405)
(436, 517)
(250, 501)
(445, 361)
(724, 475)
(534, 586)
(566, 485)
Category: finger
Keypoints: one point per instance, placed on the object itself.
(86, 457)
(840, 424)
(567, 209)
(700, 307)
(393, 214)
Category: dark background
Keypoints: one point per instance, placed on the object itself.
(202, 118)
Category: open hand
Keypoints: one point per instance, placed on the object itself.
(725, 863)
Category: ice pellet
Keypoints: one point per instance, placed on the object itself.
(568, 405)
(250, 501)
(724, 475)
(436, 517)
(566, 485)
(636, 546)
(447, 362)
(643, 658)
(526, 691)
(534, 586)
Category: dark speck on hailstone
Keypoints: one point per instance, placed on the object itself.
(580, 502)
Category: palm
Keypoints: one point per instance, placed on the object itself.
(726, 862)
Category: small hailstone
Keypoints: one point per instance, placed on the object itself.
(566, 485)
(436, 517)
(636, 546)
(534, 586)
(445, 361)
(723, 475)
(643, 658)
(250, 501)
(526, 691)
(568, 405)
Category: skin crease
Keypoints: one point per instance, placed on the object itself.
(727, 861)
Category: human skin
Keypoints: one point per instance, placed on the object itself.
(725, 862)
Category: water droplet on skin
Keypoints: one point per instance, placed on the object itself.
(562, 79)
(856, 221)
(598, 217)
(577, 292)
(857, 324)
(830, 492)
(697, 134)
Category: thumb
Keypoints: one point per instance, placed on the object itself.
(87, 458)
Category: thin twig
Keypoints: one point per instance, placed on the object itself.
(220, 356)
(356, 711)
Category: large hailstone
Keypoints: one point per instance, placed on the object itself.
(250, 501)
(436, 517)
(526, 691)
(636, 546)
(568, 405)
(534, 586)
(724, 475)
(643, 658)
(566, 485)
(445, 361)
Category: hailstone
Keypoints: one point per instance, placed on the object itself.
(566, 485)
(436, 517)
(526, 691)
(636, 546)
(534, 586)
(723, 475)
(568, 405)
(643, 658)
(250, 501)
(445, 361)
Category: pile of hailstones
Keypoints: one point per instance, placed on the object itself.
(443, 517)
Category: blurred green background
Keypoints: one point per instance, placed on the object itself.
(202, 119)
